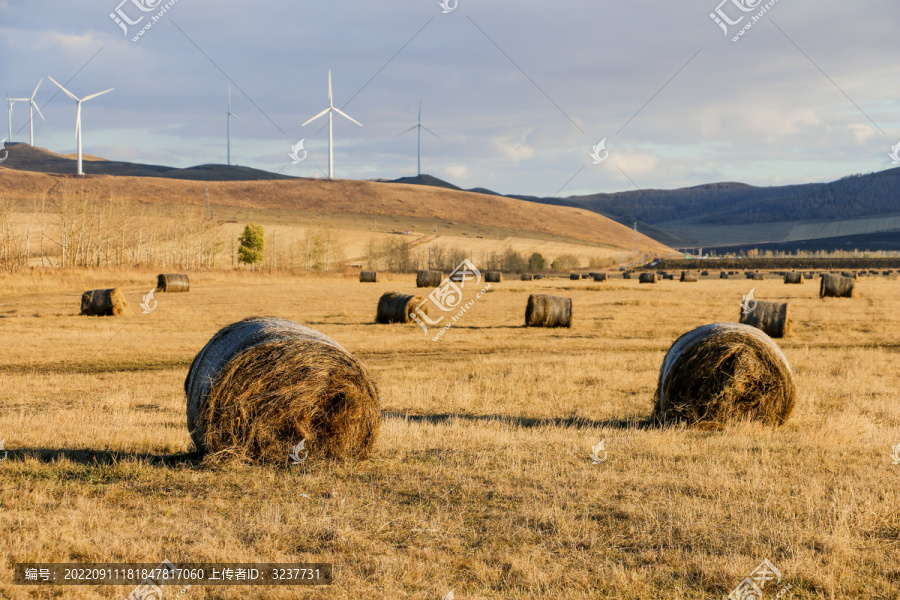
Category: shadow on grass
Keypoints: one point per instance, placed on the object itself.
(569, 422)
(106, 457)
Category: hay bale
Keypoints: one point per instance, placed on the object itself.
(103, 303)
(574, 276)
(723, 275)
(689, 276)
(626, 275)
(368, 276)
(493, 276)
(772, 317)
(538, 276)
(704, 273)
(262, 385)
(527, 277)
(836, 286)
(548, 311)
(172, 282)
(748, 274)
(647, 278)
(427, 278)
(758, 276)
(670, 276)
(850, 274)
(724, 372)
(808, 275)
(599, 276)
(394, 307)
(793, 277)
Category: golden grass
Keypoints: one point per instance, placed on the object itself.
(480, 480)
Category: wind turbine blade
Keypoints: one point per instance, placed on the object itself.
(346, 116)
(317, 116)
(34, 93)
(86, 98)
(330, 102)
(430, 131)
(236, 117)
(70, 94)
(407, 130)
(37, 109)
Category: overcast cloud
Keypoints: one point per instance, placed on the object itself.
(679, 103)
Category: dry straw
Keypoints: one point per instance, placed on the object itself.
(429, 278)
(103, 303)
(368, 276)
(493, 276)
(836, 286)
(394, 307)
(724, 372)
(262, 385)
(772, 317)
(548, 311)
(647, 278)
(172, 282)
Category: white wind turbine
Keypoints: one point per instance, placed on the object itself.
(78, 116)
(32, 105)
(228, 116)
(11, 101)
(330, 111)
(420, 127)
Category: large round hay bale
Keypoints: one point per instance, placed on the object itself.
(394, 307)
(262, 385)
(368, 276)
(548, 311)
(574, 276)
(599, 276)
(527, 277)
(723, 275)
(493, 276)
(724, 372)
(850, 274)
(836, 286)
(758, 276)
(772, 317)
(793, 277)
(172, 282)
(689, 276)
(103, 303)
(429, 278)
(647, 278)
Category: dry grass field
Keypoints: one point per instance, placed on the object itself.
(481, 480)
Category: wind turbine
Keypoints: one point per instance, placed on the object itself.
(11, 101)
(420, 127)
(32, 105)
(78, 116)
(228, 116)
(331, 110)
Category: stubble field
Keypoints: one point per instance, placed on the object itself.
(481, 480)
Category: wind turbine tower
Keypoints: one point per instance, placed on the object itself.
(78, 117)
(419, 127)
(228, 116)
(330, 111)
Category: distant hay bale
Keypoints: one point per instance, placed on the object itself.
(493, 276)
(772, 317)
(748, 274)
(689, 276)
(836, 286)
(704, 273)
(262, 385)
(723, 275)
(538, 276)
(758, 276)
(368, 276)
(626, 275)
(103, 303)
(724, 372)
(585, 276)
(850, 274)
(793, 277)
(394, 307)
(548, 311)
(574, 276)
(527, 277)
(808, 275)
(647, 278)
(426, 278)
(670, 276)
(172, 282)
(599, 276)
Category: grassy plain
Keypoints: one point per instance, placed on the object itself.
(480, 481)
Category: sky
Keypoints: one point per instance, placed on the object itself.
(519, 93)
